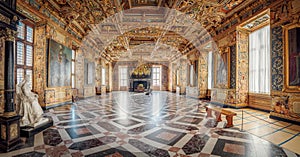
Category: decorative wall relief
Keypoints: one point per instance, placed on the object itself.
(59, 65)
(50, 96)
(277, 58)
(202, 75)
(39, 72)
(232, 67)
(242, 68)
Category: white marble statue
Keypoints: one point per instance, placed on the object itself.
(28, 106)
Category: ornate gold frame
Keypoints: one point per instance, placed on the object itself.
(287, 87)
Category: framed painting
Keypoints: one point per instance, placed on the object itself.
(59, 65)
(221, 68)
(292, 58)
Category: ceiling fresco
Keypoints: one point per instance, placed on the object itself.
(121, 26)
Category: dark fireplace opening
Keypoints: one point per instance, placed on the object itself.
(136, 83)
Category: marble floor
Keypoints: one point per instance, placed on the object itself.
(161, 124)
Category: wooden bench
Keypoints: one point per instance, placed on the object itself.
(218, 111)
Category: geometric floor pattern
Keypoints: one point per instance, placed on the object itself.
(133, 124)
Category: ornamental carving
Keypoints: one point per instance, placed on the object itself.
(8, 34)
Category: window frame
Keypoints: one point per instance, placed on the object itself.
(120, 76)
(156, 73)
(26, 43)
(260, 68)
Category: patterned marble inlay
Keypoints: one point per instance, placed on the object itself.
(176, 126)
(195, 144)
(141, 129)
(113, 152)
(179, 126)
(108, 127)
(190, 120)
(52, 137)
(165, 136)
(92, 143)
(81, 131)
(126, 122)
(31, 154)
(148, 149)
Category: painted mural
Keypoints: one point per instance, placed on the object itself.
(59, 65)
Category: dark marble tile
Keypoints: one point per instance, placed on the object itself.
(227, 148)
(57, 151)
(233, 134)
(68, 117)
(195, 144)
(179, 126)
(190, 120)
(88, 115)
(82, 131)
(73, 123)
(31, 154)
(52, 137)
(147, 149)
(87, 144)
(141, 129)
(126, 122)
(165, 136)
(112, 152)
(109, 127)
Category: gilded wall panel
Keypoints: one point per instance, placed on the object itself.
(202, 75)
(277, 58)
(49, 96)
(39, 72)
(242, 68)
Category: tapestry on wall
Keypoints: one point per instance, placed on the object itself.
(59, 64)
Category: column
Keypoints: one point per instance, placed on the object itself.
(242, 68)
(9, 121)
(9, 76)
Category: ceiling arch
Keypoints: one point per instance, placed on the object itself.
(80, 16)
(124, 32)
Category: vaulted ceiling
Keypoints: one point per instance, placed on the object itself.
(127, 29)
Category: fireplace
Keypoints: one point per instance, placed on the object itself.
(145, 83)
(136, 83)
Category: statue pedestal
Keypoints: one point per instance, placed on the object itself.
(10, 134)
(38, 127)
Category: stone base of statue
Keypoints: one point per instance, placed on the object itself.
(41, 125)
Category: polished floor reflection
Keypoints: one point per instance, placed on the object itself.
(135, 124)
